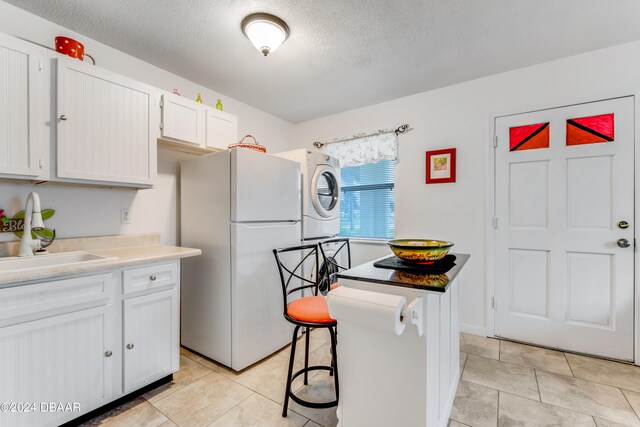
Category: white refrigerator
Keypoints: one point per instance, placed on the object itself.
(237, 206)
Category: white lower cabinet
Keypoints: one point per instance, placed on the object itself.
(70, 346)
(55, 361)
(150, 338)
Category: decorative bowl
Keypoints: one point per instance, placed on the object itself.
(419, 250)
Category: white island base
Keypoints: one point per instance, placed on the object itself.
(399, 380)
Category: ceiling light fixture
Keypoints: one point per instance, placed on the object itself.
(266, 32)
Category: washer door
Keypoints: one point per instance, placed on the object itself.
(325, 191)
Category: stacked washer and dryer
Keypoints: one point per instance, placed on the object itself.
(320, 176)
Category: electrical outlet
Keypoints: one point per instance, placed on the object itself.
(124, 216)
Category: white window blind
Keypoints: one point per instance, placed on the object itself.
(367, 200)
(367, 184)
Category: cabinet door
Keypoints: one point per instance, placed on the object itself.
(104, 126)
(21, 66)
(183, 120)
(151, 347)
(222, 129)
(60, 359)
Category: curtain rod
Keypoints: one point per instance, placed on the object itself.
(400, 129)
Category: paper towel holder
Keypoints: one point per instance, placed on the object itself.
(414, 313)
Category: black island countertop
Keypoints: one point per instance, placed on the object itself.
(414, 279)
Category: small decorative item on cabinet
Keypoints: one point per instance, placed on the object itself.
(175, 92)
(219, 105)
(255, 146)
(441, 166)
(199, 99)
(73, 48)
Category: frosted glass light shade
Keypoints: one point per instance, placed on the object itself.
(266, 32)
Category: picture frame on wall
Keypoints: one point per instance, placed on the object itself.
(441, 166)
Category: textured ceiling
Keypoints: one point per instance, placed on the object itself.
(345, 54)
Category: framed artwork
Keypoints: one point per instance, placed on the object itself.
(441, 166)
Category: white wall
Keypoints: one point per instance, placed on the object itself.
(94, 211)
(458, 116)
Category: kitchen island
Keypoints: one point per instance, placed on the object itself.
(404, 374)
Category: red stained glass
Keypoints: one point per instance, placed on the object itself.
(590, 130)
(529, 137)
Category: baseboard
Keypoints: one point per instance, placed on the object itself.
(473, 330)
(115, 403)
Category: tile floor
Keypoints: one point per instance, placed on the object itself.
(502, 383)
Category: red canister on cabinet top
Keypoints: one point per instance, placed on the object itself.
(70, 47)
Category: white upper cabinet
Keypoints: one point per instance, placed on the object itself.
(21, 71)
(222, 129)
(106, 126)
(183, 120)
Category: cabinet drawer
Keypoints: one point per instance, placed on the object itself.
(153, 277)
(29, 302)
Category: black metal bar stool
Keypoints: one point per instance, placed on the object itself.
(331, 266)
(304, 312)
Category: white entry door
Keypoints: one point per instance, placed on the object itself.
(564, 208)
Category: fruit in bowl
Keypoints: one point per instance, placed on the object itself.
(419, 250)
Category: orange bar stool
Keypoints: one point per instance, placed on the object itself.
(304, 312)
(333, 263)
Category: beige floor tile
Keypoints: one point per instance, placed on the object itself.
(475, 405)
(225, 371)
(518, 411)
(321, 334)
(137, 412)
(311, 424)
(463, 360)
(600, 422)
(202, 402)
(480, 346)
(270, 378)
(189, 372)
(320, 356)
(534, 357)
(320, 389)
(514, 379)
(634, 399)
(599, 400)
(316, 340)
(258, 411)
(605, 372)
(219, 368)
(454, 423)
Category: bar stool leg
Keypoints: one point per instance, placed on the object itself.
(287, 391)
(306, 356)
(331, 371)
(334, 343)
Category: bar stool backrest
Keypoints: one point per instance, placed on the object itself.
(290, 261)
(331, 263)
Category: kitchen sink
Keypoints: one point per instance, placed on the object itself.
(37, 262)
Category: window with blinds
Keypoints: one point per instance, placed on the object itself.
(367, 200)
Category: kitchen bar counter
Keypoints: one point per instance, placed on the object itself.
(426, 282)
(389, 374)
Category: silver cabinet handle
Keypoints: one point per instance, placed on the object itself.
(108, 353)
(152, 278)
(129, 346)
(623, 243)
(63, 117)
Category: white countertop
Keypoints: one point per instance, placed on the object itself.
(125, 257)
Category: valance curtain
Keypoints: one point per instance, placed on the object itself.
(365, 150)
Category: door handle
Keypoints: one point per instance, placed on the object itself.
(623, 243)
